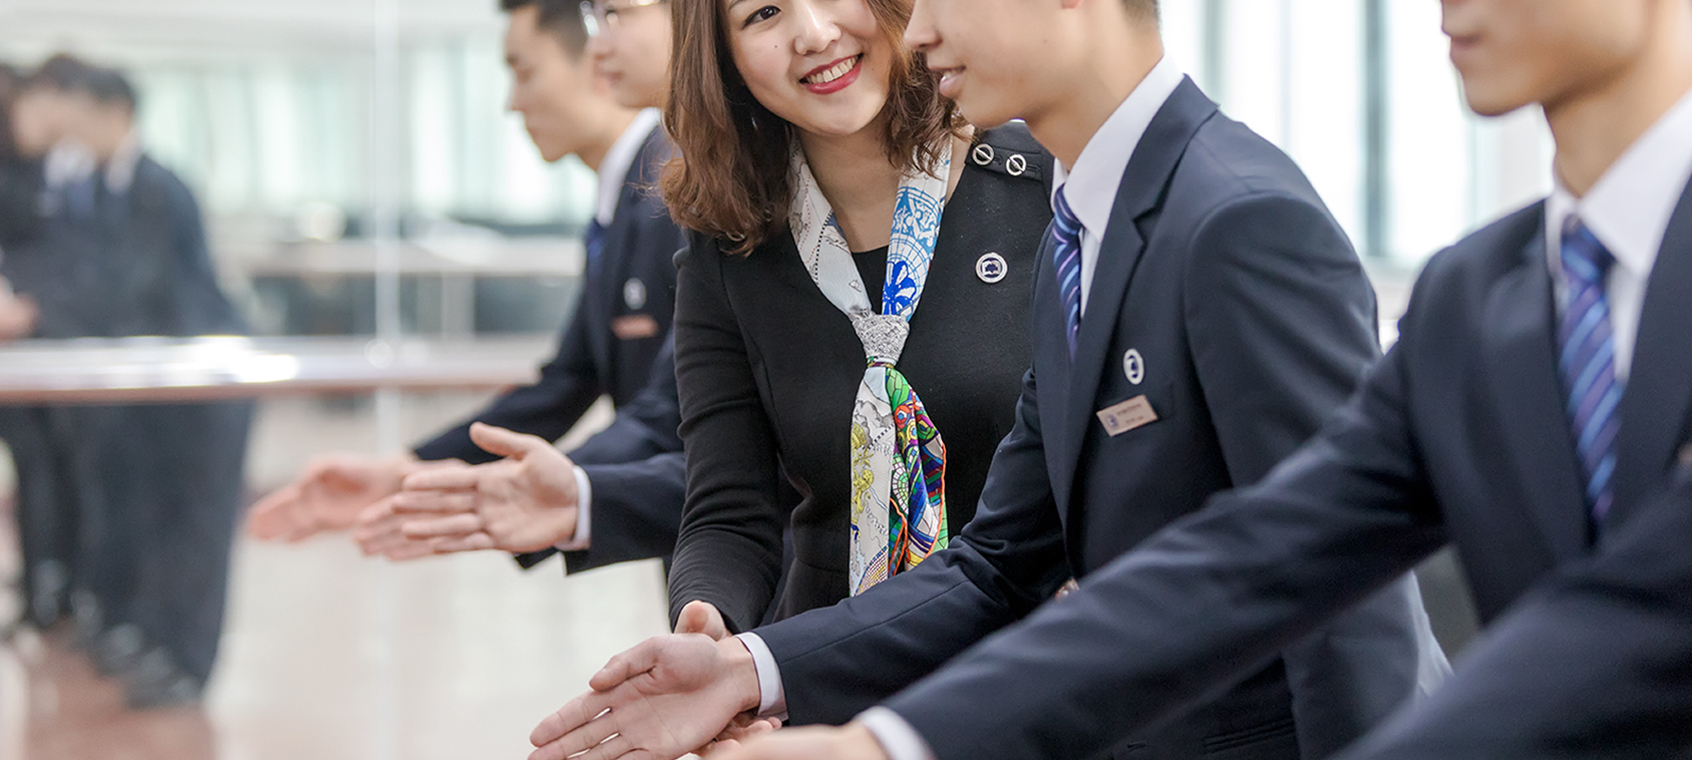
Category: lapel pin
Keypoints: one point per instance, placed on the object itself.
(1134, 366)
(634, 293)
(991, 268)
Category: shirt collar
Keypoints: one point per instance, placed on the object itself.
(1090, 187)
(67, 163)
(120, 170)
(1629, 208)
(614, 168)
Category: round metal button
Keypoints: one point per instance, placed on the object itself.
(1016, 165)
(1134, 366)
(991, 268)
(983, 154)
(634, 293)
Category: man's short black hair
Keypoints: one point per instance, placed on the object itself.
(111, 88)
(62, 72)
(1144, 10)
(563, 18)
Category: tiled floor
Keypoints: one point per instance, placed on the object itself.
(328, 655)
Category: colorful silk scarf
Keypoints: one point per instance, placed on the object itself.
(898, 462)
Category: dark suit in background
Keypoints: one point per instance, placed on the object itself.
(154, 490)
(1457, 436)
(173, 471)
(1252, 320)
(1595, 662)
(616, 332)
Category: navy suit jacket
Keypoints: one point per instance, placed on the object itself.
(139, 265)
(1596, 662)
(1252, 321)
(618, 327)
(1457, 436)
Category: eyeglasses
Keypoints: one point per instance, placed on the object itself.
(602, 16)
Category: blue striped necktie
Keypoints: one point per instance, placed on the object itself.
(1066, 253)
(1587, 363)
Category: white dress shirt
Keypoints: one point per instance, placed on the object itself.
(613, 171)
(614, 168)
(120, 170)
(1628, 209)
(1090, 188)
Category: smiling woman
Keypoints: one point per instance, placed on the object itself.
(774, 81)
(834, 325)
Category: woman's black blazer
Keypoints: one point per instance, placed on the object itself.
(767, 370)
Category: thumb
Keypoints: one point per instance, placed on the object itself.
(639, 659)
(702, 617)
(502, 442)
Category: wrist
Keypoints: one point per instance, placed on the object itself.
(742, 673)
(861, 742)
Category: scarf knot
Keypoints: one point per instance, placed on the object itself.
(898, 459)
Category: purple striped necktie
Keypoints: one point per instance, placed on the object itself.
(1587, 363)
(1066, 253)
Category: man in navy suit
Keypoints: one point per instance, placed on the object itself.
(1198, 312)
(623, 314)
(1536, 397)
(1593, 662)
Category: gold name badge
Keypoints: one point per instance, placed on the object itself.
(1130, 414)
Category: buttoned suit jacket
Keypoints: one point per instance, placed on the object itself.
(1250, 320)
(1458, 435)
(592, 360)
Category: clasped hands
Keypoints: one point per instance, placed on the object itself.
(405, 509)
(695, 690)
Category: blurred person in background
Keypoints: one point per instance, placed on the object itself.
(156, 489)
(631, 46)
(20, 182)
(611, 346)
(33, 118)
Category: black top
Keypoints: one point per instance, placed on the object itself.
(768, 368)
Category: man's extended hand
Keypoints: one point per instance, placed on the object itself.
(525, 502)
(657, 701)
(328, 496)
(850, 742)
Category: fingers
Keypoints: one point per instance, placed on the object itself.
(456, 526)
(456, 477)
(639, 659)
(272, 517)
(380, 531)
(702, 617)
(573, 715)
(505, 443)
(475, 542)
(434, 501)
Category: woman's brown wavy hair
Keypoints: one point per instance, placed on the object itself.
(731, 179)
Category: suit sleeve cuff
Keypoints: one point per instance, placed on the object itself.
(897, 738)
(584, 514)
(772, 699)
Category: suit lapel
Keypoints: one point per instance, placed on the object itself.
(1658, 399)
(1521, 370)
(1143, 183)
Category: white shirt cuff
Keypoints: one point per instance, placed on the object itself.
(772, 699)
(584, 514)
(897, 738)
